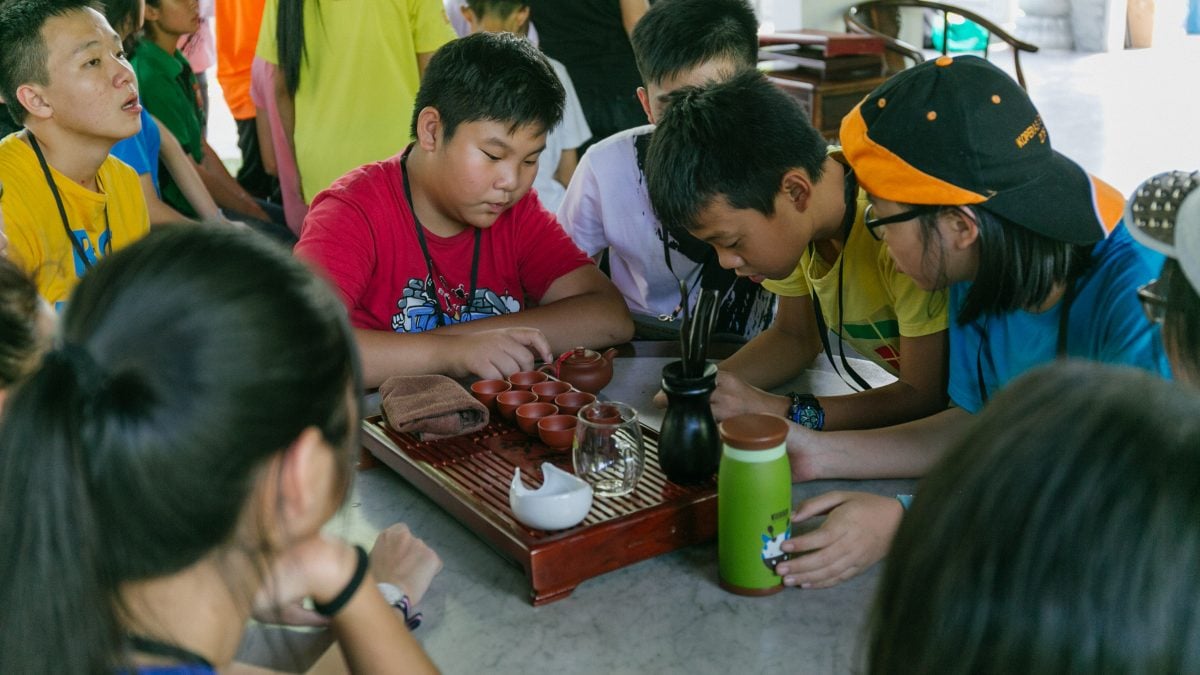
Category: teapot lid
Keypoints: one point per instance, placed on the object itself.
(580, 356)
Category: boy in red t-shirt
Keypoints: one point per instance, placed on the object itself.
(425, 243)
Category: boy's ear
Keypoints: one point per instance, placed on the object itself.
(644, 98)
(962, 227)
(151, 13)
(521, 17)
(30, 96)
(429, 128)
(798, 188)
(468, 15)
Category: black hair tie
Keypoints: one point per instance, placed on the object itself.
(360, 572)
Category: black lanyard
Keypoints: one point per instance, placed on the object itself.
(159, 648)
(437, 302)
(699, 272)
(851, 212)
(62, 211)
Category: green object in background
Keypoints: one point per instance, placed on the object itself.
(754, 499)
(965, 35)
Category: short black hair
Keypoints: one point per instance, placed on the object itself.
(676, 35)
(1060, 534)
(24, 56)
(500, 8)
(733, 139)
(1018, 268)
(497, 77)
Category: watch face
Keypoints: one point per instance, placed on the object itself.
(810, 416)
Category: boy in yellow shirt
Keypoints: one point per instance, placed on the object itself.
(67, 202)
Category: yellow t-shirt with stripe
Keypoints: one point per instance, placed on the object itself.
(880, 303)
(107, 220)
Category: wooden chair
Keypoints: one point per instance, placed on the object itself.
(882, 18)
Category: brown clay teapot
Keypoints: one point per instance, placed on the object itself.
(584, 369)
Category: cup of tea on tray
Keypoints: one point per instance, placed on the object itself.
(571, 402)
(608, 452)
(529, 414)
(525, 379)
(546, 391)
(486, 391)
(557, 431)
(507, 402)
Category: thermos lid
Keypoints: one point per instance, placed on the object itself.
(754, 431)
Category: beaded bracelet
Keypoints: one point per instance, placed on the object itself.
(396, 598)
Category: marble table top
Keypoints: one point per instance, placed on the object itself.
(662, 615)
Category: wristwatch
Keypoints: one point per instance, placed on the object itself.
(396, 598)
(806, 411)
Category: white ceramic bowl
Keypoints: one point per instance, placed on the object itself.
(562, 501)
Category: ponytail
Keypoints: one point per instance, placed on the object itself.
(55, 577)
(290, 40)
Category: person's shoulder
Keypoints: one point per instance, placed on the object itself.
(116, 170)
(13, 149)
(622, 141)
(366, 181)
(618, 153)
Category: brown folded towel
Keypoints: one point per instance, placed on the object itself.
(433, 406)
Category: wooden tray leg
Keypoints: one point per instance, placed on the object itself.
(543, 596)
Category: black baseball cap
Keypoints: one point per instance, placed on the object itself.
(959, 131)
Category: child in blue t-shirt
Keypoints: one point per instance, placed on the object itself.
(969, 195)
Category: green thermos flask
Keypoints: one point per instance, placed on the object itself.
(754, 500)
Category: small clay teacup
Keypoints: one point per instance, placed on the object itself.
(487, 390)
(527, 378)
(529, 414)
(546, 391)
(507, 402)
(557, 431)
(570, 402)
(601, 413)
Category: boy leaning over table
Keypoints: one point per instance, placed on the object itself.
(443, 255)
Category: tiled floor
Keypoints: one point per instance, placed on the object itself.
(1123, 116)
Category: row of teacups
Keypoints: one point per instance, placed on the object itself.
(541, 406)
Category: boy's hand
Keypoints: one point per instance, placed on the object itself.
(498, 353)
(399, 558)
(734, 397)
(857, 533)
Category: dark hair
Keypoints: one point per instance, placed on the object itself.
(19, 339)
(677, 35)
(501, 8)
(23, 58)
(1181, 325)
(497, 77)
(289, 39)
(122, 12)
(188, 360)
(1060, 534)
(733, 139)
(1018, 268)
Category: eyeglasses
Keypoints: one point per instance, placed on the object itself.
(872, 222)
(1154, 303)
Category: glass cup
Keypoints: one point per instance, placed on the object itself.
(608, 452)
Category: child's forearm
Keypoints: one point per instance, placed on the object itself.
(183, 171)
(781, 352)
(225, 190)
(160, 212)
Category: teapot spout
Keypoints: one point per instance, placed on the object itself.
(610, 354)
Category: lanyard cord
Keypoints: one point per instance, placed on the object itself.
(699, 272)
(851, 211)
(159, 648)
(62, 211)
(437, 302)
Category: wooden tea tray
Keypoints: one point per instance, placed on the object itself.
(469, 476)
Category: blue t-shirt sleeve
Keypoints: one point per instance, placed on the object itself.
(1126, 337)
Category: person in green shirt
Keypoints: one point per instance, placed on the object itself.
(171, 93)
